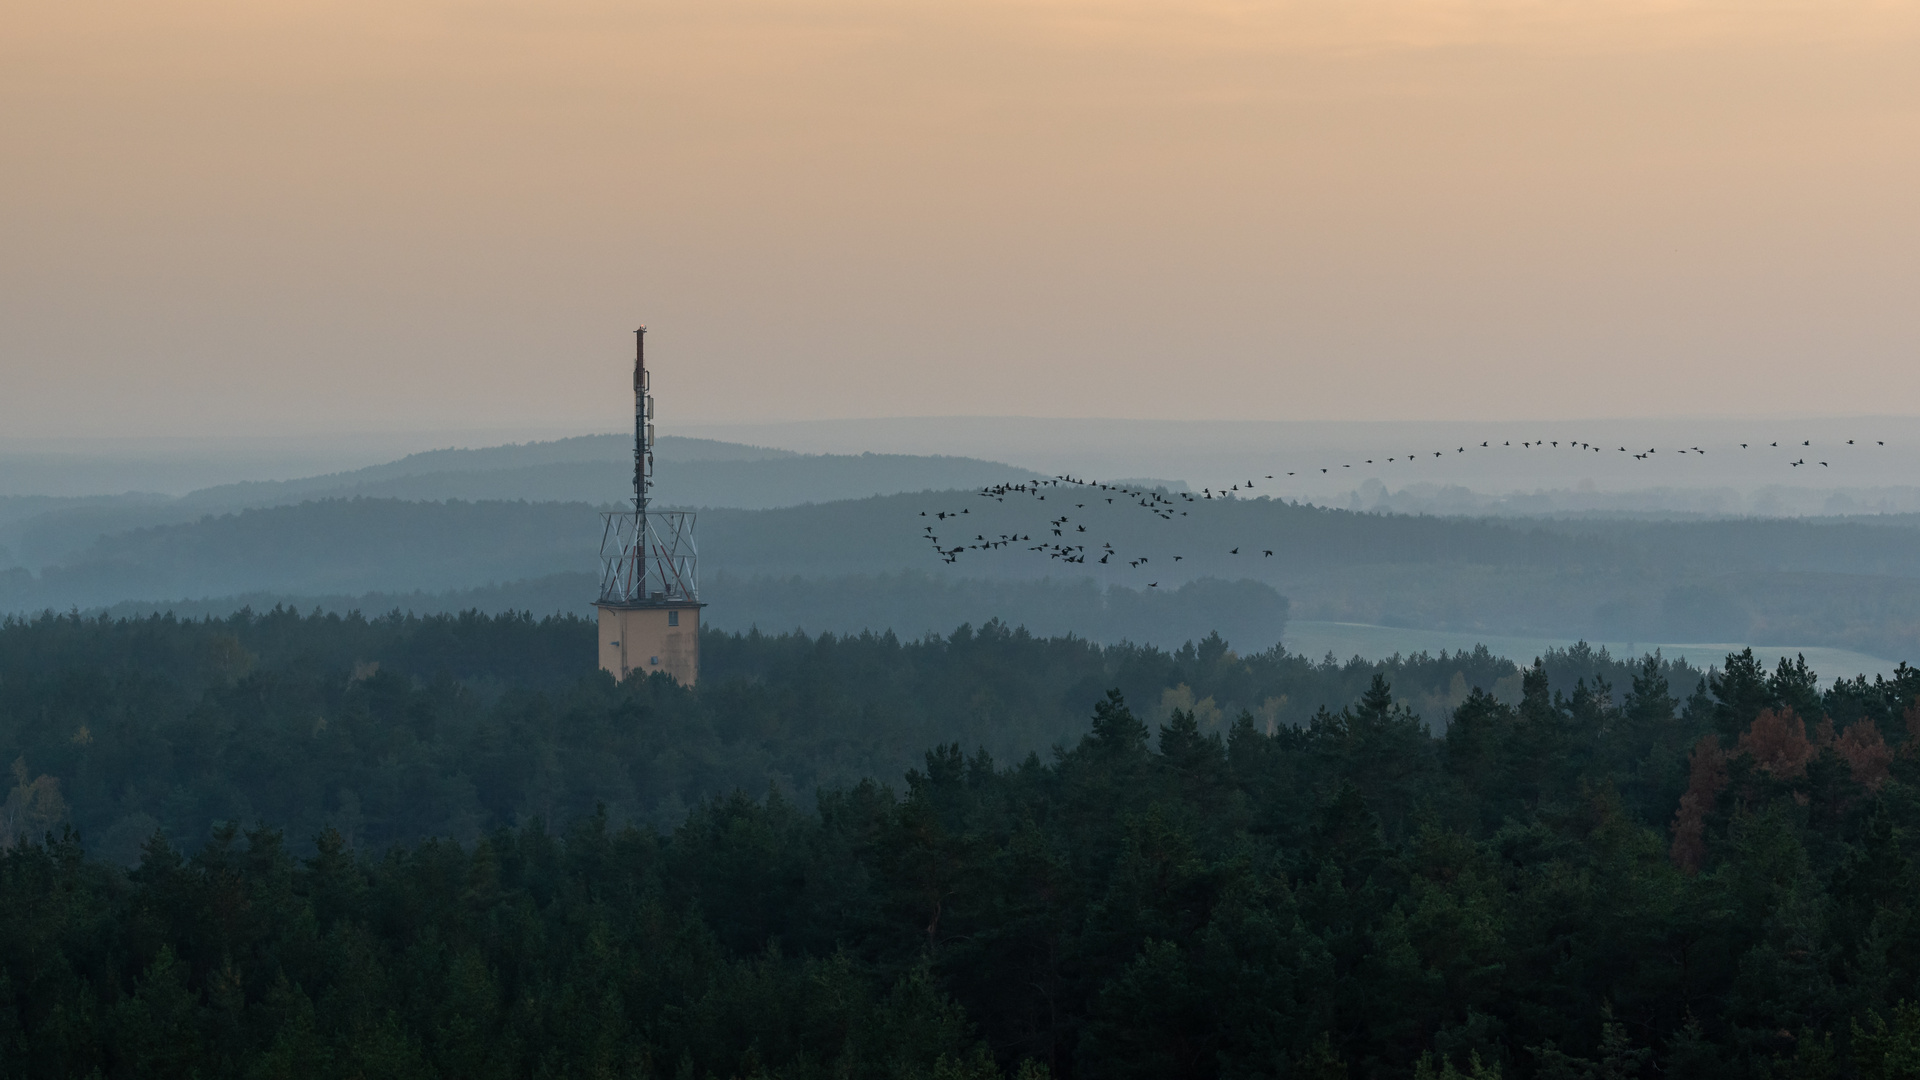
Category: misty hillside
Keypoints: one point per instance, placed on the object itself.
(490, 461)
(39, 531)
(745, 483)
(398, 545)
(1843, 583)
(599, 469)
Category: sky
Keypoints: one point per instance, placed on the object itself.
(298, 218)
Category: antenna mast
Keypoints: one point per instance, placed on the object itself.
(642, 450)
(647, 556)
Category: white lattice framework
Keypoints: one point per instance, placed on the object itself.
(665, 568)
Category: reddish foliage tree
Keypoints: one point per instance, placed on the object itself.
(1706, 778)
(1866, 753)
(1778, 744)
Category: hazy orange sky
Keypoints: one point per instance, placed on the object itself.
(301, 216)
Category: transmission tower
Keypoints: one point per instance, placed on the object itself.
(650, 565)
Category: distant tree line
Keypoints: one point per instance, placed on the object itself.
(911, 603)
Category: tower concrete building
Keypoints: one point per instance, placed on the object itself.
(649, 566)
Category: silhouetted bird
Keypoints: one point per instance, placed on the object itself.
(1267, 554)
(1235, 551)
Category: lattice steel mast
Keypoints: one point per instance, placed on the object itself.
(647, 556)
(642, 454)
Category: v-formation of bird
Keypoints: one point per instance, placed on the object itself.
(1166, 506)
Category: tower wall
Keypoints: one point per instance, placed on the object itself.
(644, 638)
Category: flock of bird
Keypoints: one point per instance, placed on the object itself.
(1062, 535)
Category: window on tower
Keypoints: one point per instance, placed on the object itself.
(673, 618)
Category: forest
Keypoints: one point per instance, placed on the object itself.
(437, 847)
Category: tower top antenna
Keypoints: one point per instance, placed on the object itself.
(647, 555)
(642, 435)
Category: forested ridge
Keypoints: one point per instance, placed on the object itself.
(1851, 583)
(1585, 868)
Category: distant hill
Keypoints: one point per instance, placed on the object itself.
(38, 531)
(441, 466)
(1840, 583)
(745, 483)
